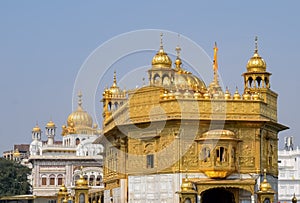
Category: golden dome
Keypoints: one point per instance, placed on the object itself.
(184, 79)
(256, 63)
(236, 95)
(265, 185)
(80, 117)
(36, 129)
(187, 186)
(161, 59)
(114, 89)
(50, 124)
(81, 182)
(63, 189)
(17, 153)
(227, 94)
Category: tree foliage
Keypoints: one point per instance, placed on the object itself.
(13, 178)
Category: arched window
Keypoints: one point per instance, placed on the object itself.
(44, 180)
(85, 177)
(166, 80)
(116, 105)
(77, 141)
(258, 79)
(205, 154)
(59, 179)
(109, 106)
(52, 179)
(98, 180)
(221, 154)
(81, 198)
(92, 179)
(76, 177)
(156, 79)
(250, 80)
(187, 200)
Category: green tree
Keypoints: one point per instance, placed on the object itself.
(13, 178)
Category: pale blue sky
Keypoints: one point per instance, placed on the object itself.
(44, 43)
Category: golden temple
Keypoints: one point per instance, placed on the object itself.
(178, 126)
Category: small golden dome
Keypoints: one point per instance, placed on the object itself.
(246, 96)
(187, 186)
(36, 129)
(50, 124)
(227, 94)
(63, 189)
(236, 95)
(256, 96)
(81, 182)
(265, 185)
(256, 63)
(17, 153)
(161, 59)
(114, 89)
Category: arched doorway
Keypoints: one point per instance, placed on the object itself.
(219, 195)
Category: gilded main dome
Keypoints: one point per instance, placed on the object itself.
(184, 79)
(79, 122)
(80, 118)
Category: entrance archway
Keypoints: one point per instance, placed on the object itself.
(219, 195)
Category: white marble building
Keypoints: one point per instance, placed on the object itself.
(289, 172)
(60, 162)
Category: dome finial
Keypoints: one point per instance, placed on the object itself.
(256, 44)
(178, 49)
(115, 79)
(161, 40)
(79, 99)
(178, 60)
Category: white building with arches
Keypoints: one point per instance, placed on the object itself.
(57, 163)
(289, 172)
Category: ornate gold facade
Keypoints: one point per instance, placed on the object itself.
(178, 125)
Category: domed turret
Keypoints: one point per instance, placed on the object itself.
(36, 129)
(256, 63)
(50, 124)
(256, 75)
